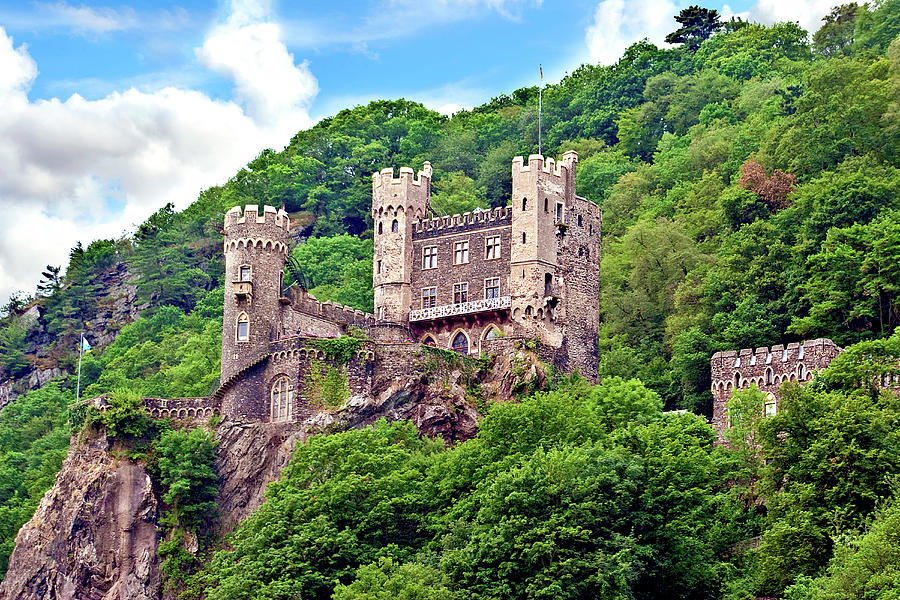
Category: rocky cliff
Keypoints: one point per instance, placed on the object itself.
(95, 532)
(93, 535)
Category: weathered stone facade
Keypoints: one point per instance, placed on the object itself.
(768, 369)
(528, 270)
(478, 282)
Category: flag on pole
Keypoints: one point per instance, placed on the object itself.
(85, 346)
(541, 69)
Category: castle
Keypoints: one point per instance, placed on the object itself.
(475, 283)
(768, 369)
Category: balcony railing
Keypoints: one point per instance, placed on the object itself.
(463, 308)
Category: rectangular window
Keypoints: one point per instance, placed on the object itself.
(429, 297)
(492, 247)
(771, 408)
(461, 253)
(492, 287)
(559, 208)
(429, 257)
(245, 274)
(379, 267)
(460, 293)
(243, 332)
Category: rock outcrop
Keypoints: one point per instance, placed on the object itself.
(94, 534)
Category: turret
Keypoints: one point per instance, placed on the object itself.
(397, 203)
(543, 193)
(256, 248)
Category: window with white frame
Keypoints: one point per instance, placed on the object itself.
(492, 287)
(282, 399)
(492, 247)
(461, 252)
(245, 273)
(429, 257)
(429, 297)
(771, 407)
(460, 293)
(242, 333)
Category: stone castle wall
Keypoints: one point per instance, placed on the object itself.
(767, 368)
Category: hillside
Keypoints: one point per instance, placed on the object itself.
(750, 187)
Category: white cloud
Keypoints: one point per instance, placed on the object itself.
(86, 19)
(80, 169)
(249, 50)
(808, 13)
(619, 23)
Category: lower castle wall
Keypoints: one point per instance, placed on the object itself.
(767, 368)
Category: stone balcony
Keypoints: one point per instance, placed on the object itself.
(463, 308)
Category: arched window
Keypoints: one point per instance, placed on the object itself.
(769, 379)
(429, 341)
(801, 372)
(242, 330)
(524, 203)
(460, 343)
(395, 226)
(737, 380)
(380, 227)
(282, 399)
(492, 334)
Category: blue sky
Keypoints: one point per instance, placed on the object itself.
(112, 109)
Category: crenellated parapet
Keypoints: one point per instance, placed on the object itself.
(304, 302)
(407, 195)
(469, 221)
(250, 219)
(248, 229)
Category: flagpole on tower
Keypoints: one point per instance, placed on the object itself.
(540, 105)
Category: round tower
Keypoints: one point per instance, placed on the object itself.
(397, 203)
(256, 248)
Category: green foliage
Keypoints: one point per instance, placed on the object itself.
(389, 580)
(185, 467)
(863, 566)
(456, 194)
(34, 439)
(125, 416)
(340, 349)
(697, 25)
(326, 385)
(580, 492)
(337, 268)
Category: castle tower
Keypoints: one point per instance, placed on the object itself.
(397, 203)
(256, 248)
(543, 194)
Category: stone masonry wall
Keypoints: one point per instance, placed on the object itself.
(767, 368)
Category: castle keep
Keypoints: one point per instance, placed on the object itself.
(475, 283)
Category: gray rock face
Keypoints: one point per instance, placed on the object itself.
(93, 535)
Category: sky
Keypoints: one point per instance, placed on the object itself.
(108, 110)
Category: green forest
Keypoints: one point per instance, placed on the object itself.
(749, 178)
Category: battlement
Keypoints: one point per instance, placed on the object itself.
(386, 177)
(811, 351)
(304, 302)
(538, 164)
(271, 217)
(468, 221)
